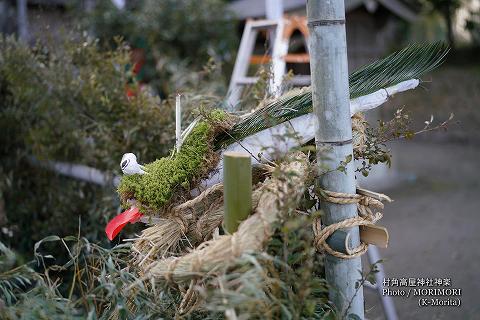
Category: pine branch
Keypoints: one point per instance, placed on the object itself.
(409, 63)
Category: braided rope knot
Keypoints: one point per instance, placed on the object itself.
(366, 201)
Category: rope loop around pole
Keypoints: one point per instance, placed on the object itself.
(365, 200)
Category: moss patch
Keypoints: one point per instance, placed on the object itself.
(167, 176)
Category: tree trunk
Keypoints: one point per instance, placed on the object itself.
(22, 20)
(447, 13)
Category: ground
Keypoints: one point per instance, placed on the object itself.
(434, 221)
(433, 225)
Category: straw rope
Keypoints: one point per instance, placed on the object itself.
(183, 230)
(366, 201)
(275, 195)
(200, 199)
(190, 299)
(185, 226)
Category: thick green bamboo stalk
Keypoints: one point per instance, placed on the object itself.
(237, 186)
(330, 94)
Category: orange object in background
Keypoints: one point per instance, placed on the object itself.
(292, 24)
(138, 60)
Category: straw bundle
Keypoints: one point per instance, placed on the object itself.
(359, 127)
(276, 196)
(183, 226)
(186, 225)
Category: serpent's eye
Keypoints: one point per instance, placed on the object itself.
(124, 163)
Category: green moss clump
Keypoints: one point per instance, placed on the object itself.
(171, 174)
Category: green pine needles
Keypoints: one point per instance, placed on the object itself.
(167, 176)
(411, 62)
(408, 63)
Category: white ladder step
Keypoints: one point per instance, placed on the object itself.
(262, 24)
(300, 80)
(247, 80)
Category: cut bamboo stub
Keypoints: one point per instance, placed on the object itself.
(373, 234)
(237, 175)
(369, 234)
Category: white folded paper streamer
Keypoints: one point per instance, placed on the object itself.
(267, 144)
(381, 96)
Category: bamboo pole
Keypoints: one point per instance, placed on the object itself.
(329, 70)
(237, 183)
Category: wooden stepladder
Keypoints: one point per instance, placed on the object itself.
(280, 32)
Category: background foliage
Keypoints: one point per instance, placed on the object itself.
(68, 103)
(174, 36)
